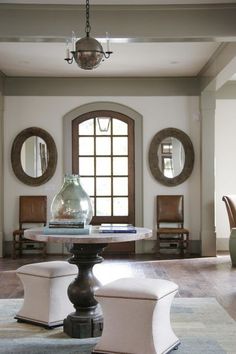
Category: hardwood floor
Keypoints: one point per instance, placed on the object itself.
(196, 277)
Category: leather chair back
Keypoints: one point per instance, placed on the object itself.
(230, 202)
(170, 208)
(33, 209)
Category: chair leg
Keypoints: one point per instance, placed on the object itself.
(187, 245)
(158, 244)
(44, 250)
(20, 246)
(182, 245)
(14, 248)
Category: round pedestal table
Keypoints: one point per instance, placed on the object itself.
(87, 320)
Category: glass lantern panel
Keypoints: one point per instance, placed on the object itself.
(119, 127)
(103, 186)
(103, 206)
(120, 146)
(103, 166)
(120, 166)
(86, 166)
(86, 146)
(86, 127)
(120, 206)
(103, 146)
(120, 186)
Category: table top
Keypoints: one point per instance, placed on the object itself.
(95, 236)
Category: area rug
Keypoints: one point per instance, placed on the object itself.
(201, 324)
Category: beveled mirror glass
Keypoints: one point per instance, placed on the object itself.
(171, 156)
(34, 156)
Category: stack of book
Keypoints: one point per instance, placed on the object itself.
(117, 228)
(67, 227)
(71, 224)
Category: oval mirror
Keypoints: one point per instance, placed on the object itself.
(34, 156)
(171, 156)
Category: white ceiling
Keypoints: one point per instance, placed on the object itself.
(129, 59)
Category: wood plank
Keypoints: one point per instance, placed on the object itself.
(196, 277)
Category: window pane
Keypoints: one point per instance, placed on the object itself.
(87, 127)
(103, 186)
(120, 146)
(119, 127)
(103, 206)
(88, 184)
(120, 206)
(120, 166)
(86, 166)
(103, 166)
(120, 186)
(103, 126)
(86, 146)
(103, 146)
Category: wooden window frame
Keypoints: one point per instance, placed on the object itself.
(130, 218)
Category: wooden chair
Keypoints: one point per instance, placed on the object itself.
(32, 210)
(230, 203)
(171, 233)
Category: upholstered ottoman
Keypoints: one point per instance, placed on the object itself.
(137, 316)
(45, 292)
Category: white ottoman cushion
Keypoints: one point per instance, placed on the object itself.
(136, 316)
(141, 288)
(45, 292)
(51, 269)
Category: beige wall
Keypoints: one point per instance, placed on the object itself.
(158, 112)
(150, 97)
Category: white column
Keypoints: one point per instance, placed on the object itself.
(1, 167)
(208, 236)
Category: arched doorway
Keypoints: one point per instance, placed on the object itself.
(115, 189)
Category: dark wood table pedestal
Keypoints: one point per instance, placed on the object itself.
(87, 320)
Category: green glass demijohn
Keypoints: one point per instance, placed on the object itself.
(72, 203)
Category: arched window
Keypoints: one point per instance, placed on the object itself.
(103, 156)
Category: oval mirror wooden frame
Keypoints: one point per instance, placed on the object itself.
(154, 160)
(16, 156)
